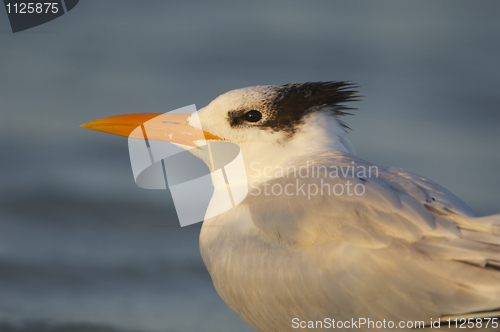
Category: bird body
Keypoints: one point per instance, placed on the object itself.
(379, 256)
(324, 235)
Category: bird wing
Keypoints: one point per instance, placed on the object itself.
(353, 200)
(405, 248)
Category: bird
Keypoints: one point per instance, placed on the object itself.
(325, 239)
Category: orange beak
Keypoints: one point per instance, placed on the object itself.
(166, 127)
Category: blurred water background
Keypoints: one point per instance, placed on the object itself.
(83, 249)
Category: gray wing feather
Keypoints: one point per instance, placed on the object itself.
(416, 242)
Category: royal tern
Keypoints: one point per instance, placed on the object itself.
(325, 237)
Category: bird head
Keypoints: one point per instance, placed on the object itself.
(271, 124)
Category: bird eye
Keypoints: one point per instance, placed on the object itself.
(253, 116)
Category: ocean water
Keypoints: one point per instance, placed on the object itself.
(82, 248)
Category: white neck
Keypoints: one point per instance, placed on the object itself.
(320, 133)
(263, 161)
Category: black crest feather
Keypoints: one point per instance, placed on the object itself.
(285, 106)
